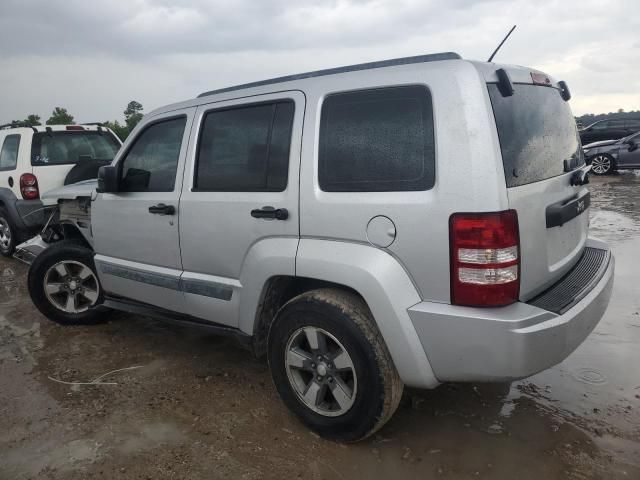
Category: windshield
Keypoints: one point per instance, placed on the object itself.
(69, 147)
(538, 134)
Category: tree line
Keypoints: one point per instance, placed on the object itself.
(61, 116)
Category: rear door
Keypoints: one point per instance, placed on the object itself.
(239, 206)
(136, 229)
(540, 150)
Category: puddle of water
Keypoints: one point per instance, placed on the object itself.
(600, 381)
(10, 288)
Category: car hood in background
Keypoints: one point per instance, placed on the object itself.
(86, 188)
(603, 143)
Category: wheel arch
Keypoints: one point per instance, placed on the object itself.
(8, 203)
(371, 273)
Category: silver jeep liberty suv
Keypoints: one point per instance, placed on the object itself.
(405, 222)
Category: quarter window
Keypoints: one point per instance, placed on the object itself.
(377, 141)
(245, 149)
(151, 163)
(9, 152)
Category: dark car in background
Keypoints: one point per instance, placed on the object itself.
(610, 155)
(609, 130)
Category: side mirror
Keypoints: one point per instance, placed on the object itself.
(632, 145)
(108, 179)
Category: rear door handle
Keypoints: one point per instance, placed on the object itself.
(162, 209)
(270, 213)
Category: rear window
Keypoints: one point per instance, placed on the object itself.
(377, 141)
(69, 147)
(537, 133)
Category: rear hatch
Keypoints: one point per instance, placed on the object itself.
(54, 153)
(540, 152)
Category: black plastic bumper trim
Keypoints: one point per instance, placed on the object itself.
(575, 284)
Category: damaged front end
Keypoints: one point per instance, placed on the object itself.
(69, 219)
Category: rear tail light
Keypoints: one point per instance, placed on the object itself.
(485, 258)
(29, 186)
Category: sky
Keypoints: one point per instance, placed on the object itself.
(93, 57)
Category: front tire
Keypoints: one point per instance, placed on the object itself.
(602, 164)
(331, 366)
(64, 285)
(8, 234)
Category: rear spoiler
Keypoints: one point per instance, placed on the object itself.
(505, 85)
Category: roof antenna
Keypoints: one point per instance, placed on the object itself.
(501, 43)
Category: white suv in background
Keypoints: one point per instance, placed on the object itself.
(37, 159)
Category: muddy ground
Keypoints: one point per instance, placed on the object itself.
(191, 405)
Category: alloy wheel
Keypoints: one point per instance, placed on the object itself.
(320, 371)
(71, 286)
(601, 164)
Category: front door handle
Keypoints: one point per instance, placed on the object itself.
(162, 209)
(270, 213)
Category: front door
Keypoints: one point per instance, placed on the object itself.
(629, 153)
(136, 230)
(239, 207)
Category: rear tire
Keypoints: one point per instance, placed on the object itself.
(64, 285)
(331, 366)
(602, 164)
(8, 234)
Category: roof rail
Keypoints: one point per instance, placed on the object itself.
(9, 126)
(434, 57)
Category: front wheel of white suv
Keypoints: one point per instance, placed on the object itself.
(331, 367)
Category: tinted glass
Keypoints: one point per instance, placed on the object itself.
(633, 125)
(245, 149)
(68, 147)
(151, 163)
(377, 140)
(9, 152)
(615, 124)
(537, 133)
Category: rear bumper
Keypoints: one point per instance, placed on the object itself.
(517, 341)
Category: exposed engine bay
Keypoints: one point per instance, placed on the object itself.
(70, 218)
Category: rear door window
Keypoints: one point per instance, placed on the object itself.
(245, 149)
(538, 134)
(9, 153)
(70, 147)
(377, 140)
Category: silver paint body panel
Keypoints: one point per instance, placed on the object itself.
(212, 259)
